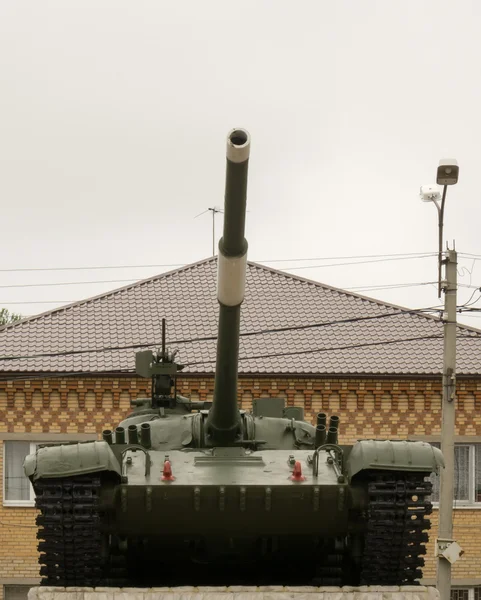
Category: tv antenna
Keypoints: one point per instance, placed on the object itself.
(214, 210)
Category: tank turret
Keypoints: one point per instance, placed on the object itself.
(224, 423)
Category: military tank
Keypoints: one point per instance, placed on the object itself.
(197, 493)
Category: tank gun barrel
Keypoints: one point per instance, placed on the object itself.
(224, 421)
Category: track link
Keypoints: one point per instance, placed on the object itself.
(396, 528)
(72, 548)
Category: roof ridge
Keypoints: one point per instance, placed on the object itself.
(357, 296)
(106, 294)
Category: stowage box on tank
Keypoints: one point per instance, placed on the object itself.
(189, 493)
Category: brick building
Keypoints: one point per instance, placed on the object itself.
(68, 374)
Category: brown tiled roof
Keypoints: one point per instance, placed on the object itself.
(396, 343)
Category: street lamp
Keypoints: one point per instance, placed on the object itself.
(447, 550)
(448, 172)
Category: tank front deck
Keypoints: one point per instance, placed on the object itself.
(258, 494)
(227, 466)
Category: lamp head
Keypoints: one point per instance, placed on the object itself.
(448, 172)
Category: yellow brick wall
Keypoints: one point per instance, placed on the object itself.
(467, 532)
(393, 408)
(18, 543)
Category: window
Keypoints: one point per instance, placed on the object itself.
(17, 489)
(467, 478)
(16, 592)
(466, 593)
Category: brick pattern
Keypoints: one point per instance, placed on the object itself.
(368, 408)
(67, 406)
(467, 532)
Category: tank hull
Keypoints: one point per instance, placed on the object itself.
(216, 509)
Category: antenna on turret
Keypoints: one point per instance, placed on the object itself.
(163, 340)
(161, 368)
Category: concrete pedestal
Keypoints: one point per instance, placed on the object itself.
(237, 593)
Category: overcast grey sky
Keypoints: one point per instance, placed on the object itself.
(113, 116)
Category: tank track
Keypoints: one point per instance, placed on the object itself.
(396, 528)
(72, 549)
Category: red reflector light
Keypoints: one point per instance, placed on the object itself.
(297, 472)
(167, 472)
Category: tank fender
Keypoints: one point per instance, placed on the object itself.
(394, 456)
(67, 460)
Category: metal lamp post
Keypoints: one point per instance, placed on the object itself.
(448, 172)
(447, 550)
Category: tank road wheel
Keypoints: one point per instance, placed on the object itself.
(396, 528)
(73, 550)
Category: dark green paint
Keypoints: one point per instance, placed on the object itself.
(224, 421)
(233, 242)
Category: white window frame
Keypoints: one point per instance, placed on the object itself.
(466, 587)
(471, 502)
(27, 503)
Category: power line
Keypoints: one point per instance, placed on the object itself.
(39, 302)
(25, 285)
(214, 337)
(391, 286)
(241, 358)
(386, 257)
(319, 350)
(91, 268)
(371, 288)
(357, 288)
(152, 266)
(360, 262)
(467, 303)
(350, 257)
(466, 285)
(62, 375)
